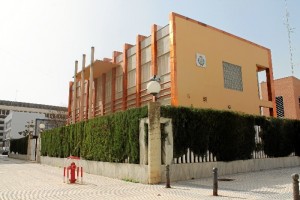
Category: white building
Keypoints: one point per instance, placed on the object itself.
(15, 124)
(50, 112)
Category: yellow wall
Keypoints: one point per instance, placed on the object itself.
(194, 83)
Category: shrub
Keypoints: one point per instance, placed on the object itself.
(111, 138)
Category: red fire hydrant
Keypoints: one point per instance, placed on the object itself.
(72, 169)
(73, 172)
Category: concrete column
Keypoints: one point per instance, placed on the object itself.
(82, 90)
(74, 94)
(38, 149)
(154, 143)
(29, 148)
(90, 114)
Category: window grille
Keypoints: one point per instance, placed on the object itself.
(279, 106)
(232, 76)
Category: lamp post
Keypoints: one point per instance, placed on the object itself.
(154, 133)
(153, 87)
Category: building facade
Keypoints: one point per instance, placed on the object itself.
(50, 112)
(15, 124)
(199, 66)
(287, 95)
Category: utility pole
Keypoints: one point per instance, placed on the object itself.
(289, 30)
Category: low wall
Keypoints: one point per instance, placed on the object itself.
(187, 171)
(178, 172)
(134, 172)
(18, 156)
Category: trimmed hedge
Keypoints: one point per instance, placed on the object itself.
(111, 138)
(227, 135)
(230, 136)
(19, 145)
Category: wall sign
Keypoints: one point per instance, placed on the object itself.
(200, 60)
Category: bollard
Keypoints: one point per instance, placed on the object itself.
(168, 176)
(215, 181)
(295, 186)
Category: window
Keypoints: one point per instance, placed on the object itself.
(108, 87)
(119, 82)
(232, 76)
(131, 72)
(279, 106)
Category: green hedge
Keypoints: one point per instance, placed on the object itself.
(281, 137)
(19, 145)
(111, 138)
(228, 135)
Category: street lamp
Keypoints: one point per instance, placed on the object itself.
(42, 127)
(153, 87)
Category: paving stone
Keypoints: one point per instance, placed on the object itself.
(21, 180)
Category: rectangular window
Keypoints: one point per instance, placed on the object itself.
(232, 76)
(131, 71)
(279, 106)
(108, 87)
(99, 91)
(119, 82)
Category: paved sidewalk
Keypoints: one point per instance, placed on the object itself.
(20, 180)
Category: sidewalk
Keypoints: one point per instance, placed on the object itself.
(20, 180)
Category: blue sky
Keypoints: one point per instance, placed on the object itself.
(40, 40)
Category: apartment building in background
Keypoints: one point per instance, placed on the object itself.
(198, 65)
(287, 95)
(50, 112)
(15, 125)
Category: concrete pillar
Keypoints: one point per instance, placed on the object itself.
(154, 143)
(74, 94)
(38, 149)
(81, 110)
(90, 114)
(29, 148)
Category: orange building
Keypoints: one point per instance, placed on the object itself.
(199, 66)
(287, 92)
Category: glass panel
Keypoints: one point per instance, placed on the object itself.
(146, 55)
(162, 32)
(99, 91)
(131, 78)
(163, 46)
(146, 72)
(119, 58)
(131, 51)
(108, 87)
(131, 62)
(146, 42)
(163, 64)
